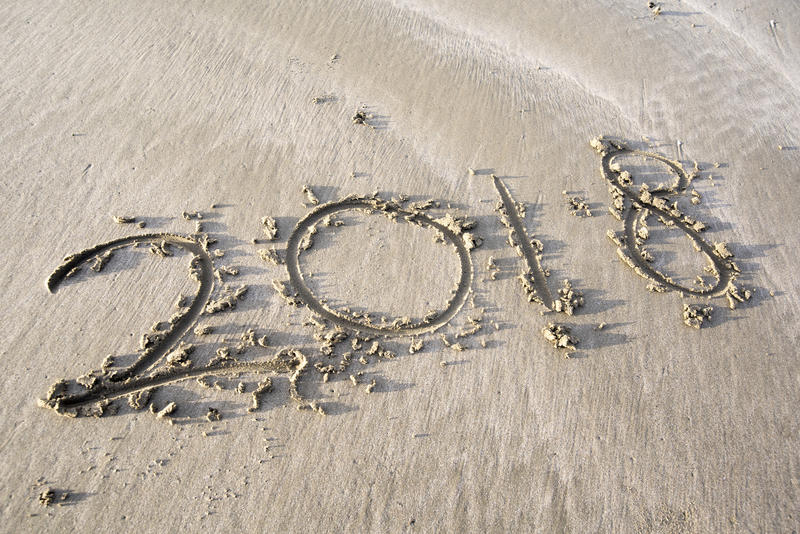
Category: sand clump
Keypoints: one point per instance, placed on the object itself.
(101, 260)
(165, 412)
(694, 315)
(361, 117)
(311, 198)
(492, 267)
(139, 400)
(270, 228)
(203, 330)
(47, 496)
(577, 205)
(228, 300)
(568, 300)
(560, 336)
(270, 255)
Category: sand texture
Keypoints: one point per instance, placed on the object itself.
(400, 266)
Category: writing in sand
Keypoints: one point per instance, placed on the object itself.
(344, 336)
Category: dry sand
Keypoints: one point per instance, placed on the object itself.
(152, 109)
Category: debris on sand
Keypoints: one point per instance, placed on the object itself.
(568, 299)
(57, 390)
(101, 260)
(721, 250)
(139, 399)
(577, 205)
(166, 411)
(559, 336)
(270, 228)
(203, 330)
(330, 221)
(601, 146)
(187, 215)
(263, 386)
(162, 249)
(360, 118)
(227, 300)
(213, 414)
(734, 296)
(311, 198)
(492, 267)
(270, 255)
(458, 347)
(695, 314)
(121, 219)
(246, 340)
(72, 272)
(223, 354)
(282, 288)
(47, 496)
(179, 358)
(223, 269)
(89, 380)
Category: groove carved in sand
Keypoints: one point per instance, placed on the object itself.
(206, 284)
(141, 375)
(393, 210)
(534, 278)
(629, 207)
(518, 238)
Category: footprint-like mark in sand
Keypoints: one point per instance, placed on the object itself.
(629, 207)
(394, 211)
(133, 379)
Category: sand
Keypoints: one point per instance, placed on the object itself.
(423, 394)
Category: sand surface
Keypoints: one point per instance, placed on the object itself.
(149, 109)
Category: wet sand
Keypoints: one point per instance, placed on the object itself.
(447, 410)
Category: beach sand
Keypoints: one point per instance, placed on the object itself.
(153, 109)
